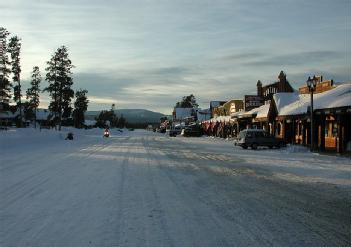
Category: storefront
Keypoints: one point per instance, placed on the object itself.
(331, 119)
(333, 129)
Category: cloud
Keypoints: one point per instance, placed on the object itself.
(175, 71)
(239, 57)
(153, 53)
(338, 74)
(296, 59)
(156, 88)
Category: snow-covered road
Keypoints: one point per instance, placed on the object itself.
(145, 189)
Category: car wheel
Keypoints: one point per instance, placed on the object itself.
(244, 146)
(278, 145)
(270, 147)
(254, 146)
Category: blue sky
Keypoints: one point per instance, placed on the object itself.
(148, 54)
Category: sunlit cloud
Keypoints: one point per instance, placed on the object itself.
(148, 54)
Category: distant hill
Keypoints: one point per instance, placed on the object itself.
(132, 115)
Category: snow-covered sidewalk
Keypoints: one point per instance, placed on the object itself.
(294, 162)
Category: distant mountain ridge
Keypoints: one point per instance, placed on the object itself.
(132, 115)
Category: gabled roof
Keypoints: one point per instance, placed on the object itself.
(296, 104)
(42, 114)
(216, 103)
(262, 111)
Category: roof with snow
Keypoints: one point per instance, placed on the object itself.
(8, 115)
(258, 112)
(182, 113)
(217, 103)
(221, 119)
(296, 104)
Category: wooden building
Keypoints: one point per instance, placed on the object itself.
(215, 104)
(287, 115)
(260, 112)
(332, 116)
(280, 86)
(228, 108)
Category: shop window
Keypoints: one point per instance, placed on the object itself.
(299, 129)
(335, 130)
(279, 129)
(326, 130)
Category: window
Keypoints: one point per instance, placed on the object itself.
(326, 130)
(279, 129)
(299, 129)
(335, 130)
(331, 129)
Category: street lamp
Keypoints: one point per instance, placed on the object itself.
(311, 84)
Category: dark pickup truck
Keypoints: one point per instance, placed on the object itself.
(257, 137)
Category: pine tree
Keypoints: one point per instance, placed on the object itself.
(5, 84)
(107, 116)
(14, 48)
(53, 84)
(187, 102)
(59, 76)
(80, 107)
(33, 93)
(113, 117)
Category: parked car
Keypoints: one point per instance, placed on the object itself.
(191, 130)
(174, 131)
(257, 137)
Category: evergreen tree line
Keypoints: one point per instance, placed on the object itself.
(58, 75)
(108, 118)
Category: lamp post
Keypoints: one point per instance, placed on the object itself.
(311, 84)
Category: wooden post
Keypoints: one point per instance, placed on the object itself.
(339, 137)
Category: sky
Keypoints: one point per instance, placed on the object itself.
(149, 54)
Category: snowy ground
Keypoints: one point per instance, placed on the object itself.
(145, 189)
